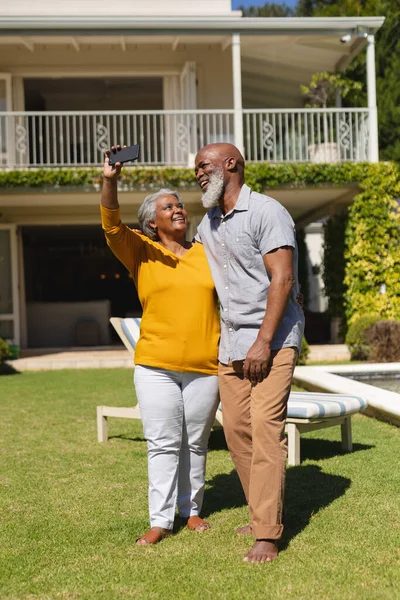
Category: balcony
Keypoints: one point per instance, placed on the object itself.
(79, 139)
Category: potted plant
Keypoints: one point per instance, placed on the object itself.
(322, 93)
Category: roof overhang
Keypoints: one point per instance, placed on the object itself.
(278, 54)
(123, 25)
(306, 205)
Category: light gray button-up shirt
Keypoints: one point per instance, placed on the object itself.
(235, 244)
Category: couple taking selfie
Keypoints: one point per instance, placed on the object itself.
(221, 322)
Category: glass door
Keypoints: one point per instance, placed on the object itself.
(9, 297)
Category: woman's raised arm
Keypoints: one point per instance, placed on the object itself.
(123, 242)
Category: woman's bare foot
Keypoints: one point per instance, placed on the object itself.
(262, 551)
(245, 530)
(153, 536)
(197, 524)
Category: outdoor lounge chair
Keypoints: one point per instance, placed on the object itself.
(306, 410)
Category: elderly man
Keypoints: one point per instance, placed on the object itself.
(250, 244)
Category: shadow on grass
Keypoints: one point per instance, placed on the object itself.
(311, 448)
(217, 440)
(225, 491)
(124, 437)
(308, 490)
(317, 449)
(7, 369)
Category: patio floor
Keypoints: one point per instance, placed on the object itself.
(99, 357)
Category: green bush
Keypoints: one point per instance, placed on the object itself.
(372, 246)
(356, 337)
(304, 352)
(384, 341)
(4, 351)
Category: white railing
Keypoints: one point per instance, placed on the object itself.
(58, 139)
(306, 135)
(65, 139)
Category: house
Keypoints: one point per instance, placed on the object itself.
(76, 77)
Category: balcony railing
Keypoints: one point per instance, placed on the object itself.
(79, 139)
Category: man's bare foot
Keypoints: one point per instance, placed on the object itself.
(245, 530)
(197, 524)
(153, 536)
(262, 551)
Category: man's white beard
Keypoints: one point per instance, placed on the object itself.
(214, 189)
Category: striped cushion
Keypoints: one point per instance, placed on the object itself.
(131, 328)
(317, 405)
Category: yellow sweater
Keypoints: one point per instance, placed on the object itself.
(180, 329)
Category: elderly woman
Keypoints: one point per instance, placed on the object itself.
(176, 355)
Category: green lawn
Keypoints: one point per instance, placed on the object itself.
(71, 508)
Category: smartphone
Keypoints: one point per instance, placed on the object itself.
(124, 155)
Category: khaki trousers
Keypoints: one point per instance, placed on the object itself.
(254, 426)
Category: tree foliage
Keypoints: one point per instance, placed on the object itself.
(269, 9)
(322, 90)
(372, 246)
(387, 58)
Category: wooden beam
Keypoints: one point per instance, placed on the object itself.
(73, 41)
(226, 44)
(25, 41)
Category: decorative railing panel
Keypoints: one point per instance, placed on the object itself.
(79, 139)
(306, 135)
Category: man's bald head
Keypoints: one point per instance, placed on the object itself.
(220, 153)
(219, 172)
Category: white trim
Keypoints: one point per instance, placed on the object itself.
(14, 316)
(188, 90)
(198, 111)
(151, 71)
(371, 92)
(202, 25)
(237, 92)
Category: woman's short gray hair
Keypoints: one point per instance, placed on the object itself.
(147, 211)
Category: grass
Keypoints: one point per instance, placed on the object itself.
(71, 508)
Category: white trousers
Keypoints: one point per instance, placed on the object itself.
(177, 411)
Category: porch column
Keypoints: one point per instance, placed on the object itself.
(237, 92)
(372, 108)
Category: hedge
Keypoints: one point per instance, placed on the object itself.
(260, 176)
(373, 246)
